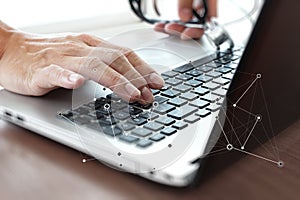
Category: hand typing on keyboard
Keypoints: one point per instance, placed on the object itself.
(36, 64)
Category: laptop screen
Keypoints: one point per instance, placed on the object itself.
(264, 95)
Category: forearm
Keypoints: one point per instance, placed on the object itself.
(5, 33)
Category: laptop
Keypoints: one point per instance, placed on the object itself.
(213, 101)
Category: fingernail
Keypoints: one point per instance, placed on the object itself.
(132, 91)
(157, 80)
(74, 78)
(147, 95)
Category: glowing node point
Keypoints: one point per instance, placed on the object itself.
(155, 104)
(234, 105)
(106, 106)
(242, 147)
(259, 117)
(258, 75)
(280, 164)
(84, 160)
(229, 147)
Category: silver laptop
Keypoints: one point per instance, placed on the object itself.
(202, 107)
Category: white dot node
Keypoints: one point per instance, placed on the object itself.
(280, 163)
(242, 147)
(259, 117)
(84, 160)
(229, 147)
(106, 106)
(258, 75)
(234, 105)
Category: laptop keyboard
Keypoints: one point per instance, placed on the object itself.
(192, 92)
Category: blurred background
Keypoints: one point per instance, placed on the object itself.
(105, 18)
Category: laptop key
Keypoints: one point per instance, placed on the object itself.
(214, 74)
(163, 108)
(211, 86)
(141, 132)
(165, 87)
(184, 68)
(170, 74)
(199, 103)
(144, 143)
(108, 121)
(182, 112)
(153, 126)
(127, 126)
(149, 115)
(121, 115)
(137, 121)
(224, 70)
(204, 79)
(128, 138)
(108, 130)
(221, 81)
(177, 101)
(173, 81)
(189, 96)
(167, 121)
(220, 92)
(184, 77)
(193, 83)
(192, 119)
(155, 92)
(194, 73)
(201, 91)
(214, 65)
(157, 137)
(182, 88)
(213, 107)
(202, 113)
(205, 68)
(170, 93)
(210, 98)
(160, 99)
(134, 110)
(168, 131)
(179, 125)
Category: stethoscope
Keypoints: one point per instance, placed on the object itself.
(212, 29)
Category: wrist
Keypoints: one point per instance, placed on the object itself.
(5, 34)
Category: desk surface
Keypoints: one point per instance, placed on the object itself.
(33, 167)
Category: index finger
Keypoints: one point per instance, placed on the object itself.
(153, 79)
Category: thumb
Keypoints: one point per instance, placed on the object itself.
(54, 76)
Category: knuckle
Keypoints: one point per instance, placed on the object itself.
(92, 63)
(46, 54)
